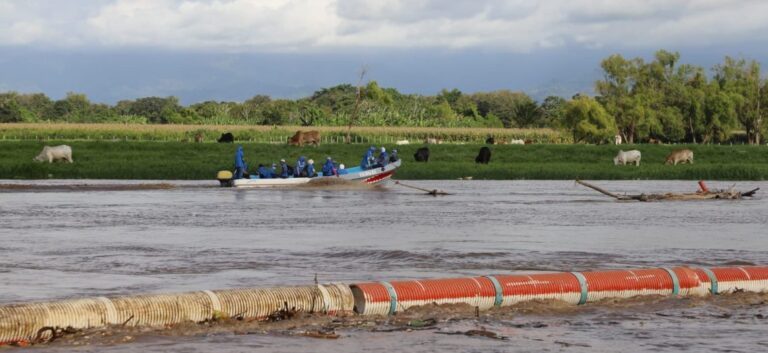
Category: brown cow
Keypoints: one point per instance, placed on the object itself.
(681, 156)
(302, 137)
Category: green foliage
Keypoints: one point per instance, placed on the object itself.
(588, 122)
(659, 98)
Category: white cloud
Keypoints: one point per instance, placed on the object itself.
(238, 24)
(307, 25)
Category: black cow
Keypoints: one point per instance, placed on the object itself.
(490, 140)
(484, 156)
(227, 137)
(422, 155)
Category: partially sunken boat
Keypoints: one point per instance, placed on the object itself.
(374, 176)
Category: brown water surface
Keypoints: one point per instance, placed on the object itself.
(114, 237)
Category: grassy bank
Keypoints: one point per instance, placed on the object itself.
(179, 160)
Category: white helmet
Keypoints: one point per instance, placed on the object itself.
(383, 149)
(311, 161)
(341, 166)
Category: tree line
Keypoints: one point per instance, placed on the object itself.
(642, 101)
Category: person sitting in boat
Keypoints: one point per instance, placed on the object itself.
(311, 168)
(274, 170)
(329, 168)
(301, 167)
(393, 156)
(240, 165)
(368, 160)
(383, 158)
(285, 170)
(265, 173)
(341, 170)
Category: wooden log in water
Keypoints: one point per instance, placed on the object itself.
(600, 190)
(708, 195)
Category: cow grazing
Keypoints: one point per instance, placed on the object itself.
(517, 142)
(421, 155)
(484, 156)
(433, 141)
(680, 156)
(302, 137)
(490, 140)
(226, 137)
(51, 154)
(627, 157)
(402, 142)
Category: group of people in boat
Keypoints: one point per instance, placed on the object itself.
(370, 162)
(306, 168)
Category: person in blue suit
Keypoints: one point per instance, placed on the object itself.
(368, 159)
(300, 169)
(284, 169)
(311, 168)
(329, 168)
(383, 158)
(265, 173)
(240, 165)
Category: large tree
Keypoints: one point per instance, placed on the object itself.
(616, 91)
(587, 121)
(740, 79)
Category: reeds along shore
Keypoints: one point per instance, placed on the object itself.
(201, 161)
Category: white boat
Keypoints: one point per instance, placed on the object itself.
(374, 176)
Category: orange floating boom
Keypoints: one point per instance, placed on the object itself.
(381, 298)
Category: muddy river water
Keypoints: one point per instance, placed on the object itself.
(58, 241)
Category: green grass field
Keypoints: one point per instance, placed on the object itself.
(180, 160)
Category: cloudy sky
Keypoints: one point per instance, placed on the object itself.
(233, 49)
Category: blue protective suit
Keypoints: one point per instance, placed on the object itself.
(240, 166)
(329, 168)
(383, 159)
(368, 159)
(265, 172)
(311, 170)
(284, 172)
(300, 165)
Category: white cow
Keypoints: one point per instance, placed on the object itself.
(630, 157)
(617, 139)
(402, 142)
(517, 142)
(51, 154)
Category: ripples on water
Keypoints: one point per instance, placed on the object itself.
(99, 242)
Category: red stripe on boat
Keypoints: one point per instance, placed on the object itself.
(379, 177)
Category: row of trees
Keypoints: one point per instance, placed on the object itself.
(662, 100)
(671, 102)
(332, 106)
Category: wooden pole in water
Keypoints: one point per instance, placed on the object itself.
(433, 192)
(600, 190)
